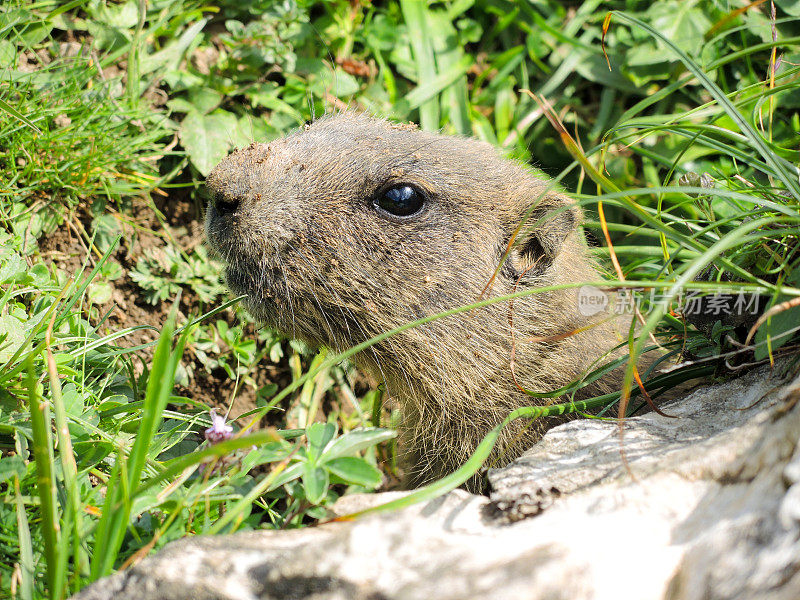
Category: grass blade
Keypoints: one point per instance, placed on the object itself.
(790, 180)
(43, 455)
(69, 470)
(415, 15)
(5, 106)
(25, 546)
(159, 389)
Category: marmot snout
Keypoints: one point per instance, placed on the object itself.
(353, 226)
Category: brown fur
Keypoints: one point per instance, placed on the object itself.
(302, 239)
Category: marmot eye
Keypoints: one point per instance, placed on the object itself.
(400, 200)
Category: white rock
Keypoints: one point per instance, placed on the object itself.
(708, 508)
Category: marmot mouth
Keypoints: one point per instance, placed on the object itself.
(260, 283)
(221, 244)
(265, 295)
(270, 300)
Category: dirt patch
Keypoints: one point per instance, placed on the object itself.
(179, 223)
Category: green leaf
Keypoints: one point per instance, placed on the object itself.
(324, 80)
(106, 230)
(107, 38)
(35, 33)
(355, 471)
(204, 99)
(268, 453)
(270, 97)
(73, 400)
(14, 333)
(170, 57)
(790, 7)
(253, 129)
(207, 138)
(100, 292)
(289, 474)
(594, 68)
(10, 466)
(318, 435)
(41, 425)
(181, 105)
(12, 269)
(315, 482)
(122, 16)
(8, 54)
(90, 453)
(39, 275)
(114, 523)
(682, 23)
(340, 83)
(356, 440)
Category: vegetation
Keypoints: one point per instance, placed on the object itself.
(674, 123)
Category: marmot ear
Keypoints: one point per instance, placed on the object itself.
(542, 231)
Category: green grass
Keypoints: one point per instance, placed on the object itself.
(111, 114)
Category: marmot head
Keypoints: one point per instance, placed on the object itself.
(353, 225)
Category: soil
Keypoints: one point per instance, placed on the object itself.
(142, 229)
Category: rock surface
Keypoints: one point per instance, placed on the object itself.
(708, 508)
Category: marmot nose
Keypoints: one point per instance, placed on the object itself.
(225, 205)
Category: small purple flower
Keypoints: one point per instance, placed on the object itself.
(219, 430)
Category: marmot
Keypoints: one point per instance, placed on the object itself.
(353, 226)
